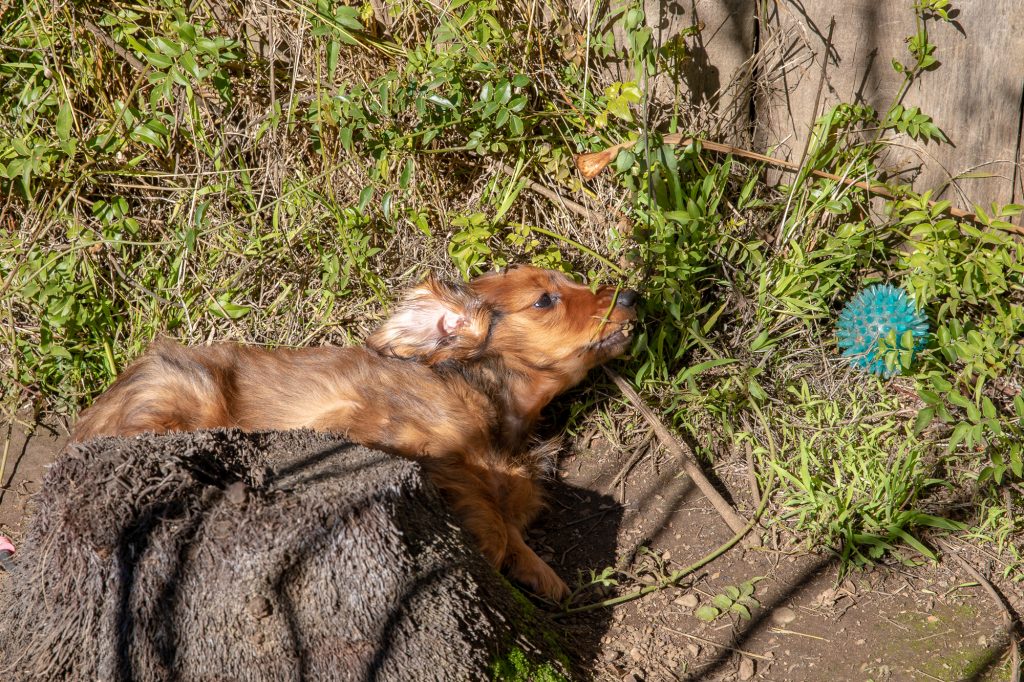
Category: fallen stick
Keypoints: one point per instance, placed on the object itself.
(591, 165)
(735, 522)
(674, 578)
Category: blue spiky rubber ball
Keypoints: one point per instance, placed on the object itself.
(869, 317)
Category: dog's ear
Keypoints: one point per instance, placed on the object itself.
(436, 321)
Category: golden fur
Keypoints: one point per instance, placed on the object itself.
(455, 379)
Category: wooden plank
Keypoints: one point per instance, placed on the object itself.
(710, 90)
(974, 95)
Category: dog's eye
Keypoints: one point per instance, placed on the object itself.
(544, 301)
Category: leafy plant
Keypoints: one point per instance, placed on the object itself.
(732, 599)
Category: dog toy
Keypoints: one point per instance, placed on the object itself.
(871, 316)
(6, 552)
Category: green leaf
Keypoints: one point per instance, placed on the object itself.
(165, 46)
(406, 176)
(191, 66)
(624, 161)
(912, 541)
(742, 610)
(924, 418)
(958, 400)
(756, 391)
(440, 101)
(707, 613)
(187, 32)
(227, 309)
(144, 133)
(64, 122)
(364, 198)
(158, 60)
(348, 17)
(987, 408)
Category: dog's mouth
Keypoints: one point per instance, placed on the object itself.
(617, 340)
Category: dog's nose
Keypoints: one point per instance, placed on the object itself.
(627, 298)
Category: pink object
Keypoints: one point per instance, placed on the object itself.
(6, 546)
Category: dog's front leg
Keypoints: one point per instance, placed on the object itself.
(494, 503)
(525, 566)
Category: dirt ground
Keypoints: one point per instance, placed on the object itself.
(926, 622)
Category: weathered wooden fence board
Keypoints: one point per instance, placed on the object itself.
(975, 95)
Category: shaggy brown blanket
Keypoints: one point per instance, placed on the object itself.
(260, 556)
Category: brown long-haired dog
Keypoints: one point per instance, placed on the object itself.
(455, 379)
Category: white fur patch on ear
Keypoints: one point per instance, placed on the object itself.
(435, 322)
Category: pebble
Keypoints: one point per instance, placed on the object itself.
(636, 654)
(747, 668)
(860, 642)
(635, 675)
(783, 616)
(694, 649)
(687, 601)
(611, 655)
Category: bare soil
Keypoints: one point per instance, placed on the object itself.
(924, 622)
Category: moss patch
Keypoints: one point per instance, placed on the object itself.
(515, 666)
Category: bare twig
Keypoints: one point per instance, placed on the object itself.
(674, 578)
(7, 448)
(212, 107)
(713, 643)
(574, 206)
(104, 38)
(689, 462)
(638, 453)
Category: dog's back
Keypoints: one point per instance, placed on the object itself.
(390, 403)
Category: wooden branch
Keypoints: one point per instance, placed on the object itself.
(573, 206)
(590, 165)
(735, 522)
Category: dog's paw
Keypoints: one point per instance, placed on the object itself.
(541, 579)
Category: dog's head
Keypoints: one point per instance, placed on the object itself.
(535, 320)
(546, 322)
